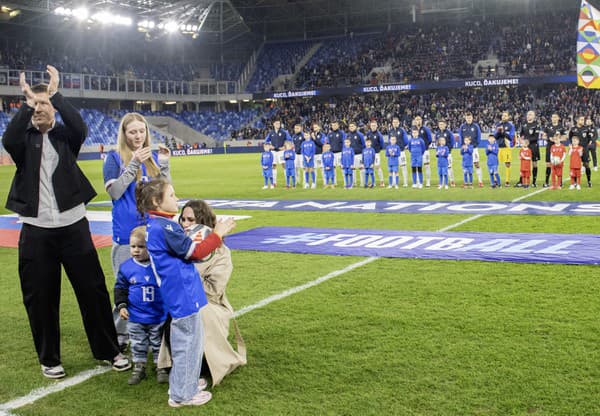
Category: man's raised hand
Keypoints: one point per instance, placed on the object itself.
(26, 89)
(54, 79)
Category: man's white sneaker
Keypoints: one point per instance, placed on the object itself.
(445, 186)
(199, 399)
(265, 187)
(313, 186)
(572, 187)
(579, 187)
(305, 186)
(53, 372)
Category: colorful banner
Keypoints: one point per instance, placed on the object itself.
(588, 46)
(520, 248)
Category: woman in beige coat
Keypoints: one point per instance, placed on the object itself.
(215, 271)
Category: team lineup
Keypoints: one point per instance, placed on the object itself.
(302, 154)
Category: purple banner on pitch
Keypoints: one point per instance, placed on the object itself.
(416, 207)
(520, 248)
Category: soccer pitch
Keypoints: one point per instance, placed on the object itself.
(388, 337)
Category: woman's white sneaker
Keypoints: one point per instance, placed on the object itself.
(199, 399)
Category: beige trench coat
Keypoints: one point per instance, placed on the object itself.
(221, 357)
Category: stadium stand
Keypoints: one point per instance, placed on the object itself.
(276, 59)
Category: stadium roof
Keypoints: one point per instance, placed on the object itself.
(223, 21)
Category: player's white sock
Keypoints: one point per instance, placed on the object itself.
(362, 178)
(428, 174)
(479, 177)
(380, 174)
(405, 175)
(323, 174)
(275, 176)
(450, 174)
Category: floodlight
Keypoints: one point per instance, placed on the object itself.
(81, 13)
(102, 17)
(171, 26)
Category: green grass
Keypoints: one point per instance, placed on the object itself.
(397, 336)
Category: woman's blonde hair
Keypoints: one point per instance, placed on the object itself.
(125, 151)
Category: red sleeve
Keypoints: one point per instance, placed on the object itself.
(205, 247)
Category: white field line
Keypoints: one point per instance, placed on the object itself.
(302, 287)
(42, 392)
(474, 217)
(37, 394)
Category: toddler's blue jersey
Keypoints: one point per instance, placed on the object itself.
(347, 157)
(467, 156)
(392, 151)
(289, 156)
(442, 153)
(492, 154)
(368, 157)
(328, 160)
(125, 216)
(144, 300)
(308, 148)
(266, 159)
(179, 281)
(416, 147)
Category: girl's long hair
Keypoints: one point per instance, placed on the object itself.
(125, 151)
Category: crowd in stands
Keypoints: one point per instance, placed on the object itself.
(539, 46)
(432, 52)
(486, 106)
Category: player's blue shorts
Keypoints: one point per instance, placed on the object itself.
(416, 162)
(442, 170)
(348, 171)
(369, 171)
(493, 168)
(468, 169)
(290, 172)
(267, 173)
(310, 163)
(393, 168)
